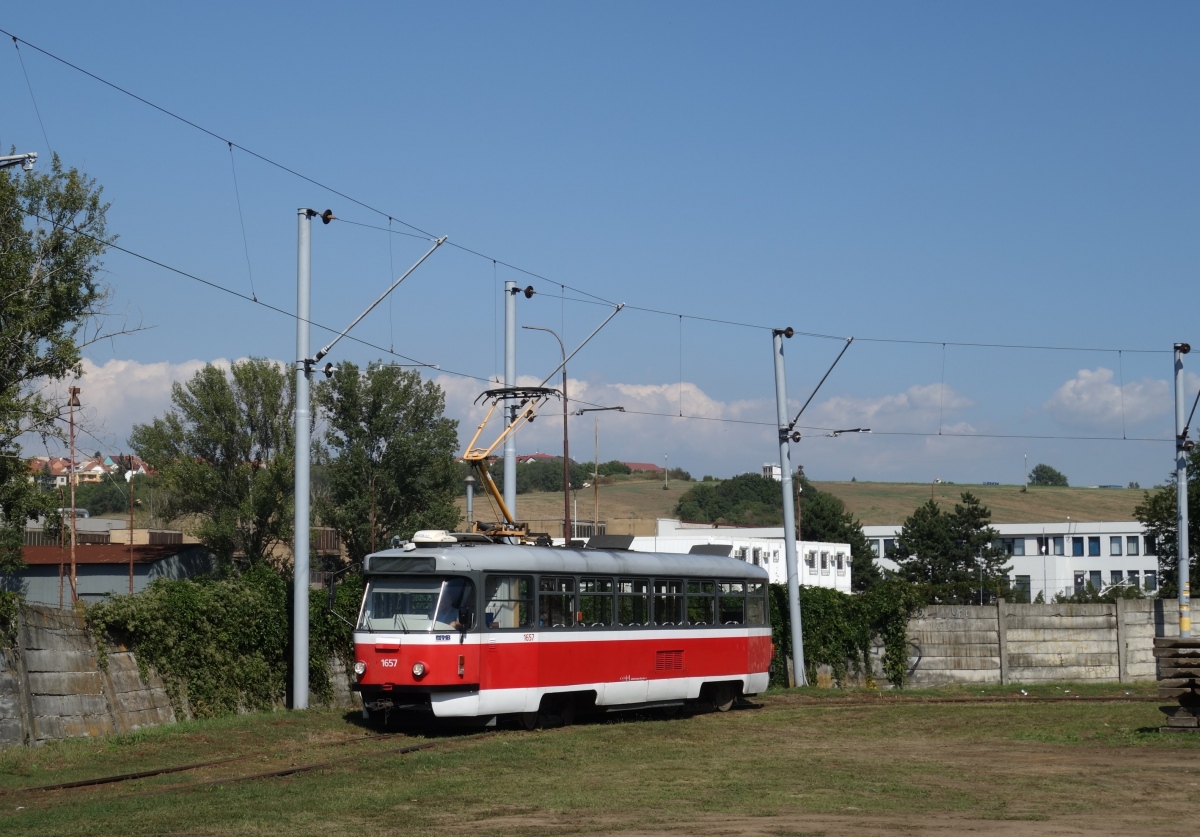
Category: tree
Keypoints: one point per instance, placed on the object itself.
(225, 454)
(1158, 513)
(1045, 475)
(389, 454)
(50, 290)
(954, 553)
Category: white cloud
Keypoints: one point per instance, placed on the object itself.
(920, 408)
(1092, 400)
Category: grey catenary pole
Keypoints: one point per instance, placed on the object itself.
(789, 515)
(510, 380)
(1182, 446)
(300, 582)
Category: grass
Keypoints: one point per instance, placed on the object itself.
(786, 768)
(631, 507)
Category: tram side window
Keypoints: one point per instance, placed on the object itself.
(756, 603)
(509, 602)
(731, 602)
(700, 601)
(556, 602)
(596, 601)
(633, 601)
(668, 601)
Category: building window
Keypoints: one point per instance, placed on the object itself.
(1079, 581)
(1114, 545)
(1131, 545)
(1134, 580)
(757, 556)
(1007, 544)
(841, 564)
(810, 560)
(1094, 547)
(1018, 547)
(1043, 545)
(1118, 577)
(888, 545)
(824, 563)
(1094, 579)
(1022, 586)
(1151, 580)
(1151, 545)
(875, 547)
(1058, 545)
(1077, 547)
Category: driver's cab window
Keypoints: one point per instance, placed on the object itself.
(409, 604)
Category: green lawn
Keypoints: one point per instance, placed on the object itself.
(807, 761)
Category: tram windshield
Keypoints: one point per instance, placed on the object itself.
(413, 604)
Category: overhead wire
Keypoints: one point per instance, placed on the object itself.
(267, 305)
(424, 233)
(33, 98)
(242, 218)
(592, 298)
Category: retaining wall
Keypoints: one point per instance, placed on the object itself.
(52, 686)
(1033, 643)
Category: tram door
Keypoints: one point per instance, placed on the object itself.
(508, 659)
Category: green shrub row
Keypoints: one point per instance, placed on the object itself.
(223, 646)
(839, 629)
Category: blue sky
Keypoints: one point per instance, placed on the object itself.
(1015, 173)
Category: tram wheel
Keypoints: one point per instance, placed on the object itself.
(722, 698)
(530, 720)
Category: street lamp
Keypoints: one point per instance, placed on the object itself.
(666, 472)
(470, 483)
(566, 445)
(596, 464)
(25, 161)
(73, 402)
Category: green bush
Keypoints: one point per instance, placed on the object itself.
(222, 646)
(839, 629)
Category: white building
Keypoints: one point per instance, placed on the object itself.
(820, 564)
(1064, 557)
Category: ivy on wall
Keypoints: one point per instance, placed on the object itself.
(223, 646)
(839, 630)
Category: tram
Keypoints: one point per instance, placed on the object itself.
(458, 626)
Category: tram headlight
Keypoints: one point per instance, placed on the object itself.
(418, 669)
(360, 668)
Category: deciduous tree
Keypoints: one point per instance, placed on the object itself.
(50, 290)
(1043, 474)
(389, 456)
(225, 456)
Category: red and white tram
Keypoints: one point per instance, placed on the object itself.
(456, 626)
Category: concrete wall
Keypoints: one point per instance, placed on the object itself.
(52, 685)
(1034, 643)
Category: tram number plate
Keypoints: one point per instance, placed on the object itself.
(390, 663)
(529, 637)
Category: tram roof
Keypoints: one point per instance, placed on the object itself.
(468, 557)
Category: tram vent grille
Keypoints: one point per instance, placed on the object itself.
(668, 661)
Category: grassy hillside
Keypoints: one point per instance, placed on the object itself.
(883, 502)
(632, 507)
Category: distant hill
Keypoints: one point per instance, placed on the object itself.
(879, 503)
(632, 507)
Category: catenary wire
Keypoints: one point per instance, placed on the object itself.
(33, 98)
(242, 218)
(266, 305)
(425, 234)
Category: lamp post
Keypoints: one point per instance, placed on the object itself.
(596, 465)
(129, 479)
(73, 402)
(666, 473)
(566, 444)
(470, 483)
